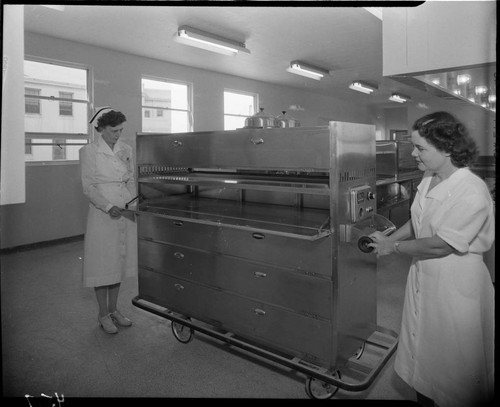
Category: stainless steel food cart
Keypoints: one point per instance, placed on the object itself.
(257, 237)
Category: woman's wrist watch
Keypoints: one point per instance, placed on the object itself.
(396, 247)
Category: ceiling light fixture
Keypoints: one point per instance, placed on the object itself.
(463, 79)
(362, 87)
(396, 97)
(481, 90)
(210, 42)
(307, 70)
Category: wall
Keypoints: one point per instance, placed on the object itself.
(55, 206)
(479, 121)
(395, 119)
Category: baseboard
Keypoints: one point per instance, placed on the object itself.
(40, 245)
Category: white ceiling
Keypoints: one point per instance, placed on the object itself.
(345, 40)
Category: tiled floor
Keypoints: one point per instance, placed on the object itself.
(51, 342)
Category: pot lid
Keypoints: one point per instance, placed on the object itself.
(262, 114)
(285, 116)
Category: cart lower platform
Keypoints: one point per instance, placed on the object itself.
(357, 374)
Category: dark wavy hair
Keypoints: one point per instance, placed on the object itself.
(112, 118)
(447, 134)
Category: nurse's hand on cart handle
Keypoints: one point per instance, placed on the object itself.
(115, 212)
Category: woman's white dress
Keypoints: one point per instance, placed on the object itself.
(446, 345)
(110, 244)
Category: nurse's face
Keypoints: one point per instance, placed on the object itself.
(427, 156)
(111, 134)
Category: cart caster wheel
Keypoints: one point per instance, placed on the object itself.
(317, 389)
(182, 333)
(360, 351)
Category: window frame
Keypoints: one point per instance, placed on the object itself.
(190, 111)
(45, 135)
(239, 92)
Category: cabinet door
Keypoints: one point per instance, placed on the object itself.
(280, 286)
(309, 256)
(294, 334)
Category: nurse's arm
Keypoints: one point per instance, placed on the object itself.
(403, 233)
(426, 247)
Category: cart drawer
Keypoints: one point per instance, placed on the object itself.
(310, 256)
(296, 334)
(284, 287)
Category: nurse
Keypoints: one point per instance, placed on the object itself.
(111, 236)
(446, 345)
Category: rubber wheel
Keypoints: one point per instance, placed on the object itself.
(182, 333)
(319, 390)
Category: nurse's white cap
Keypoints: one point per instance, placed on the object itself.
(98, 113)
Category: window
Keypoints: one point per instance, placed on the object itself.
(172, 103)
(65, 107)
(58, 151)
(57, 100)
(237, 107)
(32, 105)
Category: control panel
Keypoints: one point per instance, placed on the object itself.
(362, 202)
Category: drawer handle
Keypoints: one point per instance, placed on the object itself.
(178, 223)
(258, 236)
(259, 274)
(177, 143)
(257, 141)
(179, 287)
(259, 311)
(179, 255)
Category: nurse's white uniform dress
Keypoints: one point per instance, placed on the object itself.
(446, 343)
(110, 244)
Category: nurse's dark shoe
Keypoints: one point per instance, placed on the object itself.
(119, 319)
(107, 324)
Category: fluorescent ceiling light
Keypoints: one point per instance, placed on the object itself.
(210, 42)
(481, 90)
(399, 98)
(362, 87)
(463, 79)
(307, 70)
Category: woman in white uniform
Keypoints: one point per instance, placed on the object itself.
(111, 236)
(446, 344)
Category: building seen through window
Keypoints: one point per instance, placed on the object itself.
(56, 110)
(166, 106)
(237, 107)
(32, 105)
(65, 107)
